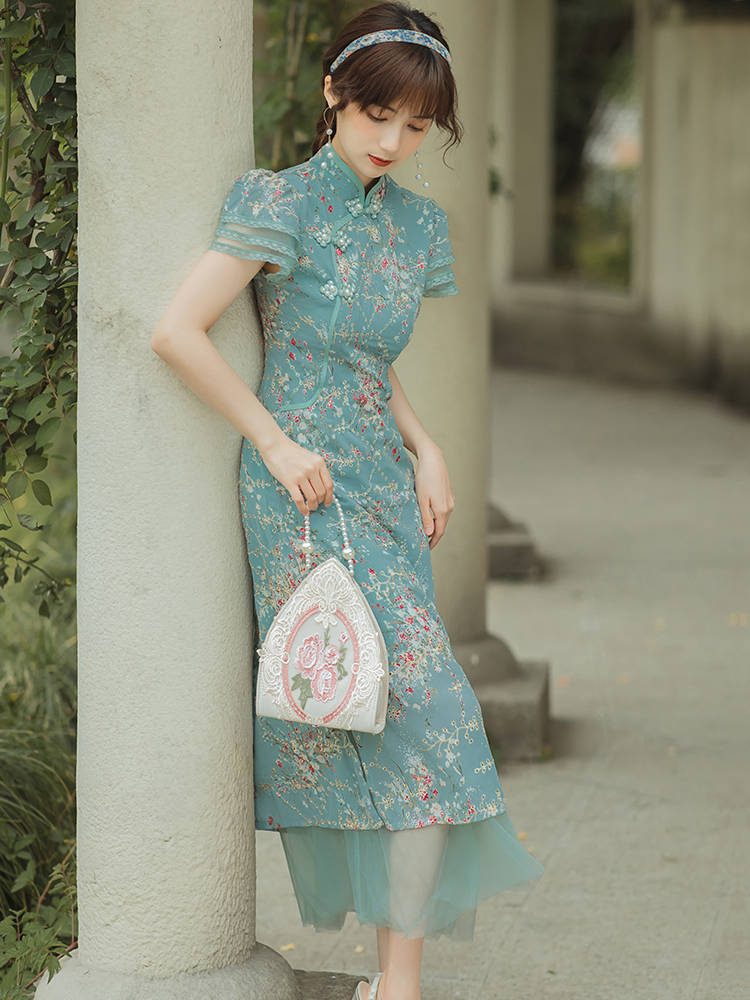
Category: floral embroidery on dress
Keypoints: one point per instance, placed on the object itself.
(356, 266)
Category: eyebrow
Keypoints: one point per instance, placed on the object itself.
(387, 108)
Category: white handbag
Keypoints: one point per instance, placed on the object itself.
(323, 660)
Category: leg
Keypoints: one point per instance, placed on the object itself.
(400, 980)
(415, 860)
(383, 942)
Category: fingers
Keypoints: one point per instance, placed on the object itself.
(316, 488)
(428, 521)
(302, 472)
(313, 492)
(299, 499)
(441, 520)
(440, 517)
(327, 482)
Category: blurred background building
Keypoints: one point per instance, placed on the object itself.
(620, 135)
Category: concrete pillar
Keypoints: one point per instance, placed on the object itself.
(521, 68)
(165, 784)
(502, 153)
(445, 372)
(445, 369)
(699, 223)
(533, 65)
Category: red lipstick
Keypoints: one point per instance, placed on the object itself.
(378, 162)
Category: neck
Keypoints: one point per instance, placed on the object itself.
(367, 182)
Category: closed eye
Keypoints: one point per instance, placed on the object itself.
(412, 127)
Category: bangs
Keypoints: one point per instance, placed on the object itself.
(395, 74)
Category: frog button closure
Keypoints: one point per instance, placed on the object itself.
(341, 240)
(355, 206)
(377, 202)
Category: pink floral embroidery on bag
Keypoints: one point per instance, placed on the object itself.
(320, 666)
(309, 658)
(324, 684)
(331, 656)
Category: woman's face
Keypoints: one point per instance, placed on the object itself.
(373, 141)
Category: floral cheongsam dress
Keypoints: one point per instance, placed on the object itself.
(407, 828)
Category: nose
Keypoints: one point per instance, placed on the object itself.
(389, 142)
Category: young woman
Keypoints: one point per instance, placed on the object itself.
(407, 828)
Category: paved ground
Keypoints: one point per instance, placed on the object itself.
(641, 501)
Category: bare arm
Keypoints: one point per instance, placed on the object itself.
(432, 483)
(181, 339)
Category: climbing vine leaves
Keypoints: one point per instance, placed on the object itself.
(38, 289)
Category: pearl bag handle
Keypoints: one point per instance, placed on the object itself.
(307, 546)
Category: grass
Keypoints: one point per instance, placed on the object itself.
(38, 702)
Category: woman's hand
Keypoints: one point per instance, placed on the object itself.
(434, 493)
(431, 482)
(302, 472)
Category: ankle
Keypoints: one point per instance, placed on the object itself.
(397, 987)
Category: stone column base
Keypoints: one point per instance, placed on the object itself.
(266, 975)
(511, 551)
(327, 985)
(514, 696)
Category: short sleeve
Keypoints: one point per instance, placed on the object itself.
(439, 280)
(260, 221)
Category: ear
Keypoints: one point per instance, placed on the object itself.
(328, 91)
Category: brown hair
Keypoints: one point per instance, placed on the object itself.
(392, 73)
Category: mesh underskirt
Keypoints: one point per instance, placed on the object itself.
(422, 882)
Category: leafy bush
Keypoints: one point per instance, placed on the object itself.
(37, 761)
(290, 39)
(33, 940)
(37, 798)
(38, 219)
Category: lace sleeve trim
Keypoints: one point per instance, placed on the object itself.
(267, 243)
(241, 219)
(441, 291)
(441, 281)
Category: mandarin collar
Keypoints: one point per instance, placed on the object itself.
(339, 178)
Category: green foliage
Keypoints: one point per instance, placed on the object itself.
(38, 218)
(37, 761)
(37, 736)
(37, 795)
(594, 64)
(290, 39)
(34, 939)
(37, 798)
(590, 36)
(37, 819)
(604, 227)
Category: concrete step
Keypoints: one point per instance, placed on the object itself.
(511, 552)
(513, 695)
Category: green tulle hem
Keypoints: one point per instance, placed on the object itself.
(423, 882)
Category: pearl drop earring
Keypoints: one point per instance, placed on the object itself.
(418, 174)
(329, 132)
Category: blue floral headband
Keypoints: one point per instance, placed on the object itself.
(392, 35)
